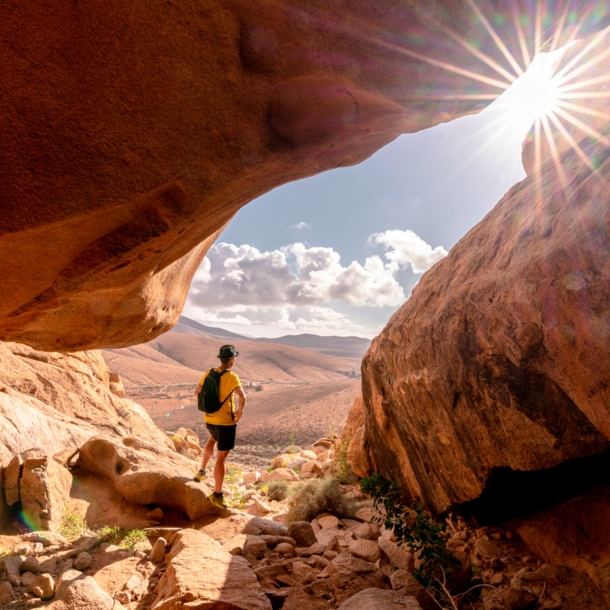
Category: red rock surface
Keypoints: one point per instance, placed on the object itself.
(501, 357)
(56, 401)
(132, 132)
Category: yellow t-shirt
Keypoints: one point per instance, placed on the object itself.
(228, 382)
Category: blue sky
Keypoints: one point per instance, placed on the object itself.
(339, 252)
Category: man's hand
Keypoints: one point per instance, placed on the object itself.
(241, 401)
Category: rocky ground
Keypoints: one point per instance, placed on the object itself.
(277, 546)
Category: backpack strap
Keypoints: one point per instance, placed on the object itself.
(230, 393)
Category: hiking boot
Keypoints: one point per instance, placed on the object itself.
(218, 501)
(200, 476)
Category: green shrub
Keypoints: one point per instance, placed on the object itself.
(121, 537)
(414, 527)
(278, 490)
(319, 496)
(341, 469)
(72, 526)
(233, 478)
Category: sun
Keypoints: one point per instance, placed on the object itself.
(535, 94)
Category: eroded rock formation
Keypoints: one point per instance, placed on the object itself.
(131, 133)
(501, 359)
(58, 401)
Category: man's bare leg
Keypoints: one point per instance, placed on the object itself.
(208, 451)
(219, 470)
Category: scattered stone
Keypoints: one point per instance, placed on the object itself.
(519, 599)
(313, 467)
(6, 592)
(155, 515)
(31, 564)
(11, 565)
(374, 599)
(256, 526)
(302, 533)
(254, 548)
(280, 474)
(366, 514)
(82, 562)
(308, 454)
(406, 584)
(396, 556)
(250, 478)
(78, 591)
(49, 565)
(27, 578)
(364, 549)
(46, 538)
(285, 549)
(348, 575)
(43, 586)
(158, 551)
(487, 549)
(328, 522)
(234, 546)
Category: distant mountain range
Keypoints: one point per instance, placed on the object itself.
(343, 347)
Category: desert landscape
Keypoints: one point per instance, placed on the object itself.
(295, 394)
(458, 462)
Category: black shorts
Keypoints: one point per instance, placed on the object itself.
(223, 435)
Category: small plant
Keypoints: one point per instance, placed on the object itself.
(341, 468)
(5, 553)
(233, 478)
(292, 439)
(278, 491)
(121, 537)
(318, 496)
(72, 526)
(414, 527)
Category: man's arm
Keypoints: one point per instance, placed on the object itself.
(196, 392)
(241, 403)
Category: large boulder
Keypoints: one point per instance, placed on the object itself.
(120, 178)
(146, 474)
(348, 575)
(200, 573)
(44, 489)
(75, 591)
(499, 361)
(58, 401)
(573, 534)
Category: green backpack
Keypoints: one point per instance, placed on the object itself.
(209, 397)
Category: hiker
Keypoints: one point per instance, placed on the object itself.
(218, 402)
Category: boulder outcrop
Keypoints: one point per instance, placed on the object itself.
(499, 362)
(44, 489)
(129, 142)
(57, 401)
(198, 568)
(145, 474)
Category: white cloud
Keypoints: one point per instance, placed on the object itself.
(407, 248)
(285, 290)
(294, 275)
(301, 225)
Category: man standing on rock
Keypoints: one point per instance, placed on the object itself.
(222, 424)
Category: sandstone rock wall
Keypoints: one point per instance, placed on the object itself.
(132, 132)
(501, 357)
(56, 401)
